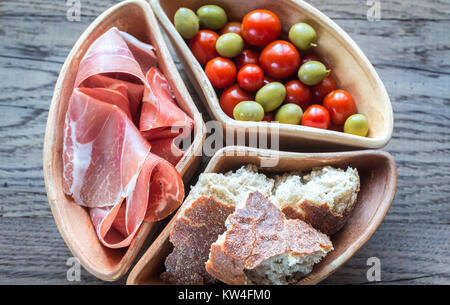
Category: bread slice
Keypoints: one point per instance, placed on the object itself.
(202, 220)
(323, 198)
(231, 187)
(261, 246)
(192, 236)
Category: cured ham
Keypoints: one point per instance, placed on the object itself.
(167, 148)
(161, 117)
(109, 166)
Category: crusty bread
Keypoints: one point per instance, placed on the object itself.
(192, 236)
(266, 241)
(261, 246)
(323, 198)
(231, 187)
(202, 220)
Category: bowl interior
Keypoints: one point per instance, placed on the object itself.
(350, 67)
(136, 18)
(378, 182)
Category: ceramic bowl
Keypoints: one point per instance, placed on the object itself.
(350, 67)
(73, 221)
(378, 182)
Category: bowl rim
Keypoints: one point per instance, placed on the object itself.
(205, 89)
(242, 151)
(50, 140)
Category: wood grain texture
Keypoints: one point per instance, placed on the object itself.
(410, 49)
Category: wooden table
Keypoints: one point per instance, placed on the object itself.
(410, 49)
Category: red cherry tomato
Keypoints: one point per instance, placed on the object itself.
(336, 127)
(203, 46)
(250, 77)
(221, 72)
(232, 96)
(320, 90)
(269, 117)
(340, 104)
(267, 80)
(234, 27)
(280, 59)
(316, 116)
(246, 57)
(259, 27)
(297, 93)
(309, 57)
(231, 27)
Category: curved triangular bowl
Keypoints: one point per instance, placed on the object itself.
(74, 224)
(378, 174)
(350, 67)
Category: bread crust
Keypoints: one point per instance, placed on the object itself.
(320, 216)
(192, 235)
(256, 232)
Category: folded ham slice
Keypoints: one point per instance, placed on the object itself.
(161, 117)
(108, 164)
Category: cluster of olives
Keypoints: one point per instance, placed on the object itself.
(188, 23)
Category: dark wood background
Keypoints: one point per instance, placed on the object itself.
(410, 49)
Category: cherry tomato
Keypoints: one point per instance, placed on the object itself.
(250, 77)
(309, 57)
(221, 72)
(259, 27)
(246, 57)
(320, 90)
(280, 59)
(268, 80)
(335, 127)
(234, 27)
(268, 116)
(297, 93)
(203, 46)
(340, 104)
(232, 96)
(231, 27)
(316, 116)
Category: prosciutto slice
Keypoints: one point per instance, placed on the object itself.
(161, 117)
(109, 166)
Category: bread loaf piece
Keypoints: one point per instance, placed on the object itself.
(231, 187)
(323, 198)
(202, 219)
(261, 246)
(191, 236)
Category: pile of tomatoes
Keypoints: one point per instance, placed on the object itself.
(262, 78)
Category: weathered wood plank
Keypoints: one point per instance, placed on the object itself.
(412, 45)
(343, 9)
(403, 259)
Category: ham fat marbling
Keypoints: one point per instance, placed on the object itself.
(123, 174)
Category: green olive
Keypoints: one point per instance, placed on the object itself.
(357, 124)
(186, 22)
(248, 111)
(271, 96)
(303, 36)
(229, 45)
(212, 17)
(312, 72)
(289, 114)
